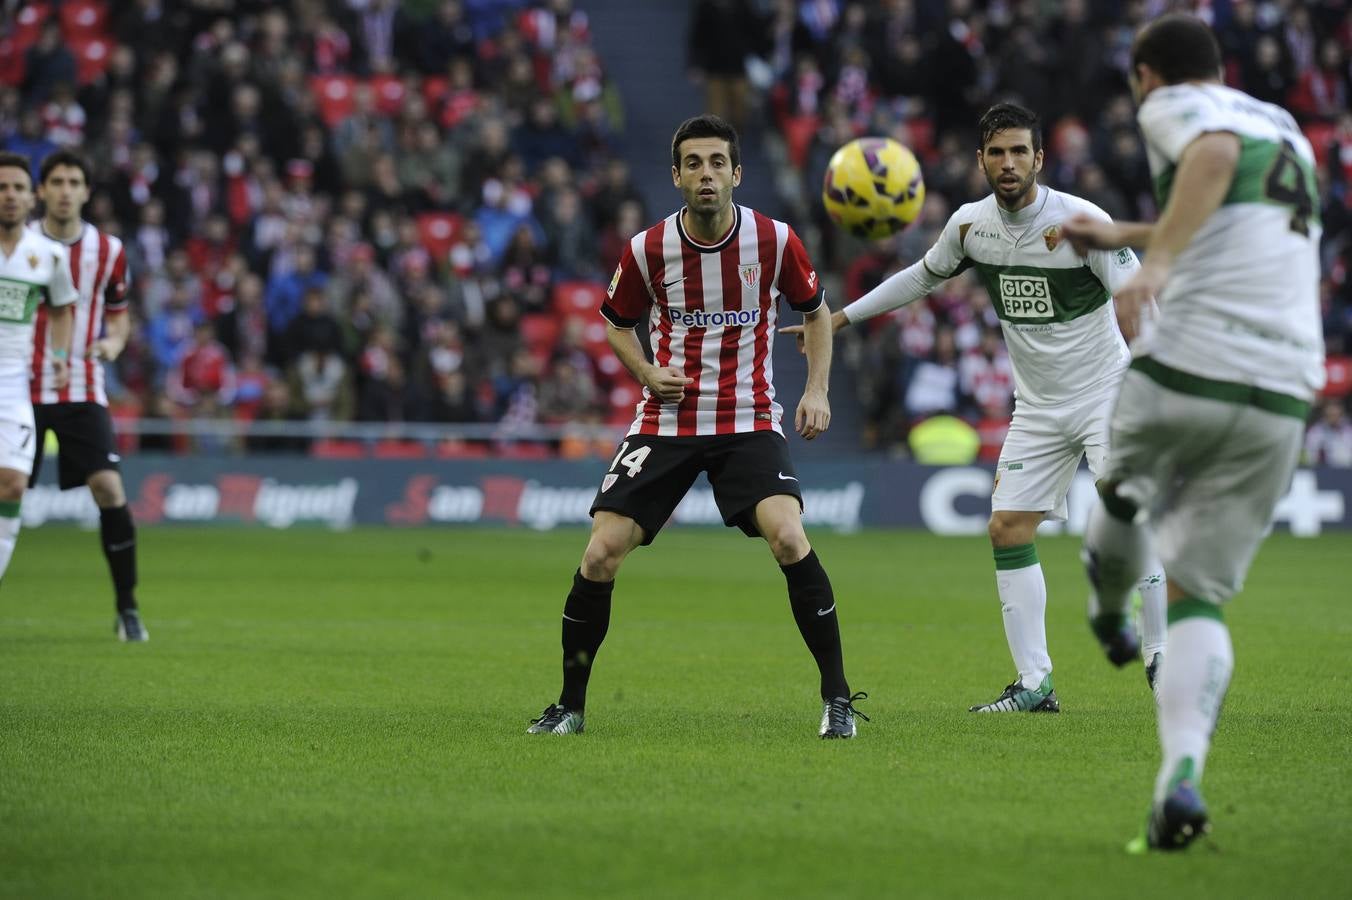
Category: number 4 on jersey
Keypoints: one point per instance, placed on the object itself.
(633, 462)
(1287, 184)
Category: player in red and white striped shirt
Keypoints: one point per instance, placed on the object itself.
(78, 411)
(708, 280)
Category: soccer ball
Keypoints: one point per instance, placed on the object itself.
(873, 187)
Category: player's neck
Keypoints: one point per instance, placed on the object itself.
(708, 229)
(10, 235)
(65, 232)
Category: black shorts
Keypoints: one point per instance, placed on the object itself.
(649, 476)
(85, 434)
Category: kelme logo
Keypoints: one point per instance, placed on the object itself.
(1025, 296)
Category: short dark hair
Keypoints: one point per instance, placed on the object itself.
(1003, 117)
(17, 161)
(703, 127)
(64, 157)
(1178, 48)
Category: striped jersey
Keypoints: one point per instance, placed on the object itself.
(1242, 300)
(98, 269)
(34, 275)
(711, 312)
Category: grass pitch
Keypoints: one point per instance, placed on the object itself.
(331, 715)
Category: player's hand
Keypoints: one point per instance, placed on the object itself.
(814, 414)
(1087, 233)
(1137, 295)
(60, 373)
(667, 384)
(106, 349)
(838, 321)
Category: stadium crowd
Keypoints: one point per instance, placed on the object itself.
(407, 210)
(828, 71)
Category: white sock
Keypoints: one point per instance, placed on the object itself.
(1023, 600)
(1154, 611)
(9, 535)
(1195, 675)
(1116, 555)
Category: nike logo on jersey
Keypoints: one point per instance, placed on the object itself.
(825, 612)
(783, 477)
(113, 548)
(571, 619)
(667, 284)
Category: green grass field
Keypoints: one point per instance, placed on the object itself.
(332, 715)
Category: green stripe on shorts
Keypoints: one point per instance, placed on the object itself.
(1225, 391)
(1192, 608)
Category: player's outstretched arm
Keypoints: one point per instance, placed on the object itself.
(667, 384)
(907, 286)
(814, 410)
(116, 330)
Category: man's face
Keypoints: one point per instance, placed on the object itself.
(16, 196)
(1010, 165)
(64, 192)
(706, 175)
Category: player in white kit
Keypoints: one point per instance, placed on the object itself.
(1068, 356)
(33, 270)
(1208, 427)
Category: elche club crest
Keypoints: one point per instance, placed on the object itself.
(750, 274)
(1051, 236)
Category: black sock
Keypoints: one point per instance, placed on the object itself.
(586, 616)
(118, 536)
(814, 609)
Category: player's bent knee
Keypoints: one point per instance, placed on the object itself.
(1009, 529)
(107, 489)
(788, 542)
(12, 485)
(612, 538)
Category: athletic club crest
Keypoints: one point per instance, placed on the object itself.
(608, 482)
(750, 274)
(1051, 236)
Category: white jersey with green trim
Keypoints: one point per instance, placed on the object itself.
(1055, 307)
(1242, 300)
(37, 271)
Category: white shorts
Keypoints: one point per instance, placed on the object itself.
(1043, 450)
(1209, 473)
(17, 443)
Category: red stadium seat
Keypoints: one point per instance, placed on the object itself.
(389, 92)
(1320, 136)
(11, 63)
(326, 448)
(333, 96)
(438, 232)
(28, 25)
(798, 134)
(434, 90)
(1338, 370)
(461, 450)
(574, 297)
(540, 333)
(91, 57)
(84, 19)
(396, 449)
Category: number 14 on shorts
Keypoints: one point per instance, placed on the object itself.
(633, 462)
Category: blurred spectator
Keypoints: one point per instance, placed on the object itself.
(287, 289)
(320, 382)
(203, 379)
(934, 384)
(47, 63)
(1329, 440)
